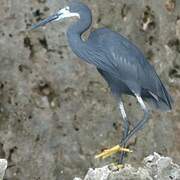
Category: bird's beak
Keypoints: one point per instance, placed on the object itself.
(61, 14)
(45, 21)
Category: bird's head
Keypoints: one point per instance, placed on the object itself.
(75, 9)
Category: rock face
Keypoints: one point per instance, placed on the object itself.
(56, 112)
(3, 166)
(155, 167)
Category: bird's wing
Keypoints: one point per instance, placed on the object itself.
(116, 55)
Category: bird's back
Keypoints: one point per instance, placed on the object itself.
(124, 66)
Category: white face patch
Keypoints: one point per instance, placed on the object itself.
(65, 13)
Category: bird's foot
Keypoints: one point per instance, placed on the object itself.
(115, 166)
(108, 152)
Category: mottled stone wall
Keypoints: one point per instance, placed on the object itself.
(56, 112)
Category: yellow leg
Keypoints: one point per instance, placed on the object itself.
(108, 152)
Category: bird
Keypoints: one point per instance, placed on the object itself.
(122, 65)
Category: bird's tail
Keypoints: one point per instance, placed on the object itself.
(162, 100)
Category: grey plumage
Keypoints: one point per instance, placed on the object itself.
(118, 60)
(127, 69)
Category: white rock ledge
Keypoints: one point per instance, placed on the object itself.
(3, 167)
(155, 167)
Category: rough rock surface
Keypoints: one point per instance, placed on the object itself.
(155, 167)
(56, 112)
(3, 166)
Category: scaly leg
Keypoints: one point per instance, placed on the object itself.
(137, 127)
(118, 148)
(126, 129)
(141, 123)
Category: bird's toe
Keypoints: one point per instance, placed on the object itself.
(115, 166)
(108, 152)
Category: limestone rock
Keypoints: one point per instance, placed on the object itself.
(154, 167)
(56, 111)
(3, 166)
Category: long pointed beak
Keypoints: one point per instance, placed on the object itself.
(45, 21)
(61, 14)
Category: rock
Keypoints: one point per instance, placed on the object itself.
(170, 5)
(154, 167)
(178, 29)
(3, 166)
(56, 111)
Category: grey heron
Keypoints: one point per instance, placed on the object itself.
(121, 64)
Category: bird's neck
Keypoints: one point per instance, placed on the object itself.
(75, 32)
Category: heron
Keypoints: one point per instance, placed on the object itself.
(120, 62)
